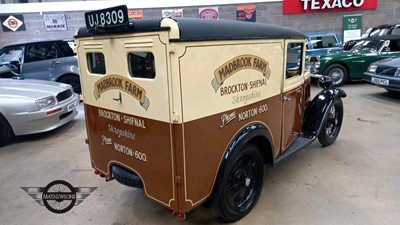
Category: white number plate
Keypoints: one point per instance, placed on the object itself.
(73, 105)
(380, 81)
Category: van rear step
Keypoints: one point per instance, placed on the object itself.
(126, 177)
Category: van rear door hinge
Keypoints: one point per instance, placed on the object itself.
(175, 117)
(178, 179)
(171, 48)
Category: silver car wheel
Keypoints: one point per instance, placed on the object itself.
(336, 75)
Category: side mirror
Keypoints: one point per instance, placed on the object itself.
(325, 82)
(15, 67)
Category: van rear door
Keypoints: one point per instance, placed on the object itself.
(127, 105)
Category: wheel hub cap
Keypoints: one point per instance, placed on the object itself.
(247, 182)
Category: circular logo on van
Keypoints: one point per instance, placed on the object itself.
(209, 14)
(59, 196)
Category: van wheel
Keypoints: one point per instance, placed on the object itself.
(332, 124)
(72, 80)
(6, 133)
(241, 184)
(337, 73)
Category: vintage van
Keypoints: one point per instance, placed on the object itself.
(192, 110)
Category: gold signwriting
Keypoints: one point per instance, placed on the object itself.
(237, 64)
(110, 82)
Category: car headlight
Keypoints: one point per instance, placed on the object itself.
(397, 73)
(46, 102)
(314, 62)
(317, 64)
(372, 68)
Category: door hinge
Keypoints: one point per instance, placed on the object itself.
(178, 179)
(171, 48)
(175, 117)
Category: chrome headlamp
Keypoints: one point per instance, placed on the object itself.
(397, 73)
(46, 102)
(372, 68)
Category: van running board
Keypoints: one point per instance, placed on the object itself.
(296, 146)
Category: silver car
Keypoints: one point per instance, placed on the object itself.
(34, 106)
(44, 60)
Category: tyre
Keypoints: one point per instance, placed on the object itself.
(72, 80)
(6, 133)
(332, 124)
(241, 184)
(337, 73)
(126, 177)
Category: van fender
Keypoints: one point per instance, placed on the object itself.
(317, 111)
(257, 134)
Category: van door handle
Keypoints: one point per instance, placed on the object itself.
(118, 99)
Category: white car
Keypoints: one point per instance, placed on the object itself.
(34, 106)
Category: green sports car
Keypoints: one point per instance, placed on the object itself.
(350, 65)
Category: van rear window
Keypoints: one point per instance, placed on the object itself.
(142, 65)
(96, 63)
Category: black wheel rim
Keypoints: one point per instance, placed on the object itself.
(242, 183)
(332, 123)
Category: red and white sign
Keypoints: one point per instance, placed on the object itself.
(314, 6)
(209, 13)
(12, 23)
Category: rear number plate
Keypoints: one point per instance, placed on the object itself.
(107, 17)
(384, 82)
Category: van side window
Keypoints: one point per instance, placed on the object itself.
(142, 65)
(294, 56)
(96, 62)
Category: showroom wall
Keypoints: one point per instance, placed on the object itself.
(388, 11)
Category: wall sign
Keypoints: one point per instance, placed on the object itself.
(135, 14)
(314, 6)
(55, 22)
(172, 13)
(12, 23)
(246, 13)
(209, 13)
(352, 26)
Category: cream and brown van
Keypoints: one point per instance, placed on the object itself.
(192, 110)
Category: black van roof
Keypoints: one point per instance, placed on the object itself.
(193, 29)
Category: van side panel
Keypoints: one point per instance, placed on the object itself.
(226, 86)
